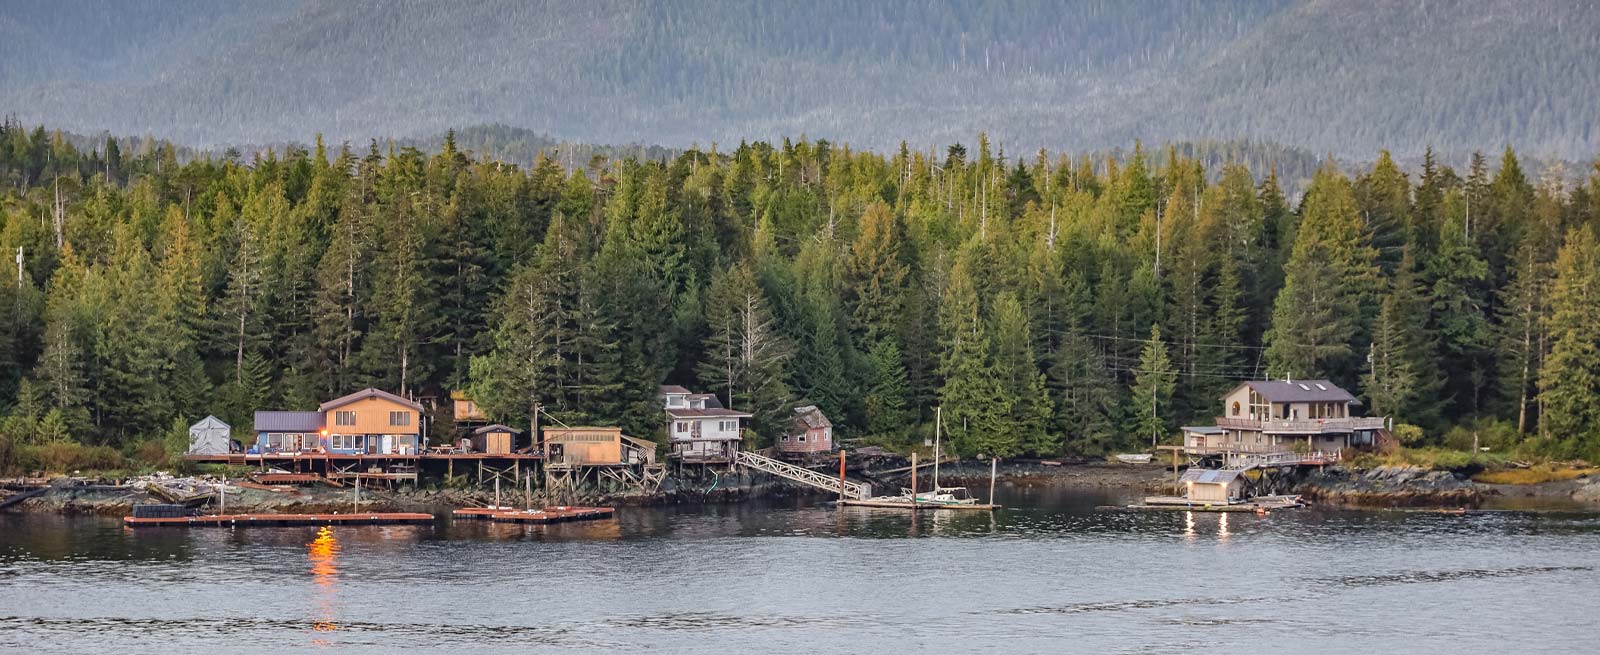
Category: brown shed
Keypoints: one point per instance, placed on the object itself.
(495, 439)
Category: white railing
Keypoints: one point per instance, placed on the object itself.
(1246, 461)
(802, 475)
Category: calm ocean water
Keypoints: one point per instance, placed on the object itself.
(1052, 576)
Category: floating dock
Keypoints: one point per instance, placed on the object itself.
(243, 520)
(1179, 503)
(546, 515)
(901, 504)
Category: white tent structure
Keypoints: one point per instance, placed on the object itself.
(210, 437)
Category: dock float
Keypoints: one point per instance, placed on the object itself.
(899, 504)
(245, 520)
(546, 515)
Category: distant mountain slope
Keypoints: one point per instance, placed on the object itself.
(1341, 77)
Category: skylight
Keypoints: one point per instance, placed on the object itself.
(1320, 386)
(1304, 387)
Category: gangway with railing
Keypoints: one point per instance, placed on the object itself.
(851, 490)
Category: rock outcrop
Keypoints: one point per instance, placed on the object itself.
(1390, 486)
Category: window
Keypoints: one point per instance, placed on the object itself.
(728, 426)
(344, 418)
(786, 438)
(1236, 408)
(674, 401)
(343, 441)
(802, 438)
(400, 418)
(683, 426)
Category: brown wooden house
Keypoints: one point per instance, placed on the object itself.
(572, 447)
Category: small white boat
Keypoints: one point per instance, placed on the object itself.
(1141, 458)
(939, 496)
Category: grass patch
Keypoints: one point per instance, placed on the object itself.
(1442, 459)
(1534, 475)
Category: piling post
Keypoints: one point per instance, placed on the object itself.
(497, 491)
(357, 508)
(994, 469)
(841, 474)
(913, 478)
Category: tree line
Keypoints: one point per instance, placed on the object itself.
(1048, 304)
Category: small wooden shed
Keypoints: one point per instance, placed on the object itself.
(495, 439)
(210, 436)
(809, 431)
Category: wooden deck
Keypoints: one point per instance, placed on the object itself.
(546, 515)
(257, 458)
(900, 504)
(248, 520)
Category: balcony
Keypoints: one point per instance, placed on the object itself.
(1302, 426)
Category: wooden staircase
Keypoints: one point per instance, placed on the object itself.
(851, 490)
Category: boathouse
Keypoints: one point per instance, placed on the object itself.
(210, 436)
(809, 431)
(1212, 486)
(700, 429)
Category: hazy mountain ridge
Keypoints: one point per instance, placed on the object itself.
(1339, 77)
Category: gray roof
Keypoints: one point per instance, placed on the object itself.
(209, 422)
(672, 389)
(368, 393)
(1299, 391)
(496, 428)
(808, 417)
(273, 421)
(1212, 476)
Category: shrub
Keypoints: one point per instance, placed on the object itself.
(1409, 435)
(66, 457)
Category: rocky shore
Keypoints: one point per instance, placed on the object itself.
(1389, 486)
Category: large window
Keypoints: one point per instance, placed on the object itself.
(683, 427)
(343, 441)
(400, 418)
(728, 426)
(344, 418)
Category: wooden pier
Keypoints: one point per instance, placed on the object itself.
(890, 503)
(546, 515)
(247, 520)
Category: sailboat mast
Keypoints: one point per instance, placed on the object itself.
(938, 423)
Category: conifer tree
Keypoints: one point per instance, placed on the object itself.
(1569, 382)
(975, 406)
(1151, 393)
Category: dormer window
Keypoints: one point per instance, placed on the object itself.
(698, 403)
(675, 400)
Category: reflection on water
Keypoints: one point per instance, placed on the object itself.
(323, 553)
(1050, 573)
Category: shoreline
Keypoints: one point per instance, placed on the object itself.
(1376, 488)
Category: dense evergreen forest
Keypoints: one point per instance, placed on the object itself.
(1050, 304)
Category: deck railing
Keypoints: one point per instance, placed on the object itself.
(1303, 425)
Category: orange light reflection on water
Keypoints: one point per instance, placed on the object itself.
(323, 553)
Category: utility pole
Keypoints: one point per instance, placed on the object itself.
(19, 267)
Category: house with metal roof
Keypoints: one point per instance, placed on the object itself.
(699, 428)
(367, 422)
(1275, 416)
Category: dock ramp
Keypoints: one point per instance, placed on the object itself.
(852, 490)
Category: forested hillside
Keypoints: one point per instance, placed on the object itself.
(1346, 77)
(1049, 304)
